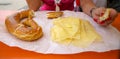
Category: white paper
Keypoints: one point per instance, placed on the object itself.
(111, 37)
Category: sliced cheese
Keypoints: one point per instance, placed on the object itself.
(72, 30)
(106, 15)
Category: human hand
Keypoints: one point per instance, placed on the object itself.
(98, 12)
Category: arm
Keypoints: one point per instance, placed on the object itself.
(87, 5)
(34, 4)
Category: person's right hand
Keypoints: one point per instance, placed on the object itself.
(98, 12)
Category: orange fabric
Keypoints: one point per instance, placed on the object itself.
(7, 52)
(116, 23)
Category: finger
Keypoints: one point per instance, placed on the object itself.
(100, 11)
(113, 13)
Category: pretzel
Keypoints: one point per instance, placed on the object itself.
(23, 26)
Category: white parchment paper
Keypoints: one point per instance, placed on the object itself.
(110, 37)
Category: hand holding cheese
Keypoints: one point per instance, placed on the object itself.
(105, 17)
(72, 30)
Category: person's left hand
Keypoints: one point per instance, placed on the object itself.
(100, 11)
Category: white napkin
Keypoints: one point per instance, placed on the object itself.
(111, 37)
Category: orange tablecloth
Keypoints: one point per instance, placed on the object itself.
(7, 52)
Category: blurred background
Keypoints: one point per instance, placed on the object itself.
(13, 4)
(21, 4)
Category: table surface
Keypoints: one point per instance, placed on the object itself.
(7, 52)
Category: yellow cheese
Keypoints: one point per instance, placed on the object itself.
(72, 30)
(87, 35)
(106, 15)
